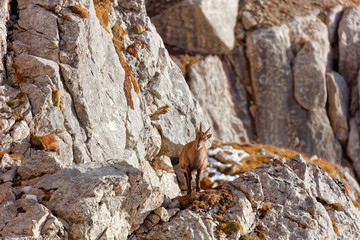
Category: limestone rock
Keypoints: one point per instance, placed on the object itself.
(211, 87)
(33, 220)
(349, 46)
(104, 193)
(185, 225)
(332, 22)
(353, 147)
(272, 82)
(200, 26)
(162, 213)
(338, 95)
(4, 15)
(248, 20)
(6, 193)
(309, 77)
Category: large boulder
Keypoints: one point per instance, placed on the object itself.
(210, 85)
(205, 26)
(353, 146)
(338, 96)
(349, 46)
(285, 199)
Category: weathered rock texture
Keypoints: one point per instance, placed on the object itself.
(210, 86)
(4, 15)
(284, 200)
(205, 26)
(84, 136)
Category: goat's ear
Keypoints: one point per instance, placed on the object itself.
(208, 136)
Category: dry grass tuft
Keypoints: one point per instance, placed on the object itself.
(79, 10)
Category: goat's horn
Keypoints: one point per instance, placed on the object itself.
(207, 131)
(200, 127)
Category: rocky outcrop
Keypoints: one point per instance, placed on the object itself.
(210, 85)
(200, 26)
(284, 199)
(93, 98)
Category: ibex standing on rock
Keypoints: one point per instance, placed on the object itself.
(194, 157)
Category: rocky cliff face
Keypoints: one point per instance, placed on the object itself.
(90, 98)
(293, 74)
(94, 113)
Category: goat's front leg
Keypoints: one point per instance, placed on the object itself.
(188, 181)
(198, 175)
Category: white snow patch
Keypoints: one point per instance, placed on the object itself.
(30, 196)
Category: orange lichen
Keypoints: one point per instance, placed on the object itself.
(102, 10)
(118, 38)
(46, 142)
(132, 50)
(79, 10)
(206, 183)
(357, 2)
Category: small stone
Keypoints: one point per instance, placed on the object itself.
(26, 189)
(9, 176)
(248, 20)
(162, 213)
(172, 211)
(174, 204)
(30, 196)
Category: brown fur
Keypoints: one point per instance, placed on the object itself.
(194, 157)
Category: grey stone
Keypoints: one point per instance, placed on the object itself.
(332, 22)
(9, 176)
(353, 146)
(201, 26)
(349, 47)
(4, 13)
(309, 76)
(6, 193)
(338, 96)
(248, 20)
(272, 83)
(211, 87)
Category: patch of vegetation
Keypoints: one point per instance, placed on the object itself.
(336, 206)
(248, 237)
(18, 115)
(230, 227)
(102, 10)
(129, 82)
(336, 229)
(10, 103)
(79, 10)
(47, 142)
(261, 231)
(357, 201)
(207, 199)
(56, 97)
(7, 82)
(138, 29)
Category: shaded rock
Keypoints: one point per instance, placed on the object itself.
(241, 86)
(332, 22)
(8, 176)
(322, 137)
(338, 95)
(151, 221)
(269, 53)
(6, 193)
(353, 146)
(349, 46)
(309, 41)
(199, 26)
(211, 87)
(309, 77)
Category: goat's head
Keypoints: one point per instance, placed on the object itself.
(201, 137)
